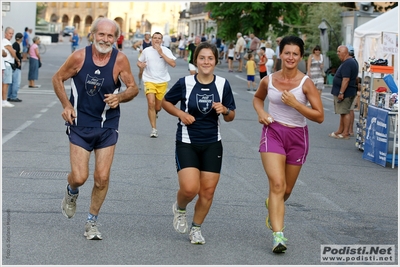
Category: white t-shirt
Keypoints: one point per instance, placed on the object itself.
(9, 57)
(156, 70)
(240, 43)
(269, 52)
(166, 40)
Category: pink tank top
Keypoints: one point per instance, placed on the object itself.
(283, 113)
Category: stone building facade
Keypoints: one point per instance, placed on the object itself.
(133, 17)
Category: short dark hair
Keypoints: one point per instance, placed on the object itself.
(205, 45)
(18, 36)
(292, 40)
(157, 33)
(263, 48)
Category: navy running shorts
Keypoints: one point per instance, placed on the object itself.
(91, 138)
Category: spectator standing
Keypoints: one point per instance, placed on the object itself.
(278, 62)
(203, 37)
(254, 44)
(270, 54)
(190, 53)
(92, 115)
(231, 55)
(182, 47)
(344, 91)
(315, 68)
(222, 50)
(166, 41)
(34, 58)
(155, 61)
(191, 38)
(284, 140)
(120, 42)
(239, 50)
(10, 58)
(25, 44)
(198, 145)
(262, 63)
(74, 39)
(13, 88)
(251, 72)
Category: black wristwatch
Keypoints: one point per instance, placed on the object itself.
(227, 112)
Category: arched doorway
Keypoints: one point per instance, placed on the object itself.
(88, 24)
(65, 21)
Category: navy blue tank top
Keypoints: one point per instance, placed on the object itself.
(88, 88)
(145, 45)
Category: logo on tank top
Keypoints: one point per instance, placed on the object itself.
(204, 102)
(93, 85)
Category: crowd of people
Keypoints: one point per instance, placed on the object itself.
(24, 49)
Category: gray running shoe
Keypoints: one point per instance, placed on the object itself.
(91, 231)
(154, 133)
(68, 204)
(195, 236)
(180, 223)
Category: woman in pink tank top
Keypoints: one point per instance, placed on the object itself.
(284, 140)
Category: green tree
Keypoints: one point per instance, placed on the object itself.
(331, 13)
(40, 8)
(261, 18)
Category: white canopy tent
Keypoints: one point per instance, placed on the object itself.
(368, 39)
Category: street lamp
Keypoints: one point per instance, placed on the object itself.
(323, 27)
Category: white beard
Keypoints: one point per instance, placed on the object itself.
(102, 50)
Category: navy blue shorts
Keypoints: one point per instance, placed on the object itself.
(250, 78)
(205, 157)
(91, 138)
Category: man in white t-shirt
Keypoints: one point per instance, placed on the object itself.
(166, 41)
(155, 61)
(239, 50)
(10, 58)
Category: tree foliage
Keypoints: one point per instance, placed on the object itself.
(330, 12)
(260, 18)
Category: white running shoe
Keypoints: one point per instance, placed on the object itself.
(154, 133)
(180, 223)
(195, 236)
(91, 231)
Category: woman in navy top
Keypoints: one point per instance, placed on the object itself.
(204, 98)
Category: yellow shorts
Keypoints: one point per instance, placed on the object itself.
(159, 89)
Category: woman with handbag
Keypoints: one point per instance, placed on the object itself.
(34, 61)
(315, 68)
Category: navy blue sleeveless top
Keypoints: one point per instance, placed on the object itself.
(145, 45)
(88, 88)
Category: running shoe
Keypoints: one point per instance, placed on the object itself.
(91, 231)
(68, 204)
(154, 133)
(195, 236)
(279, 245)
(180, 223)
